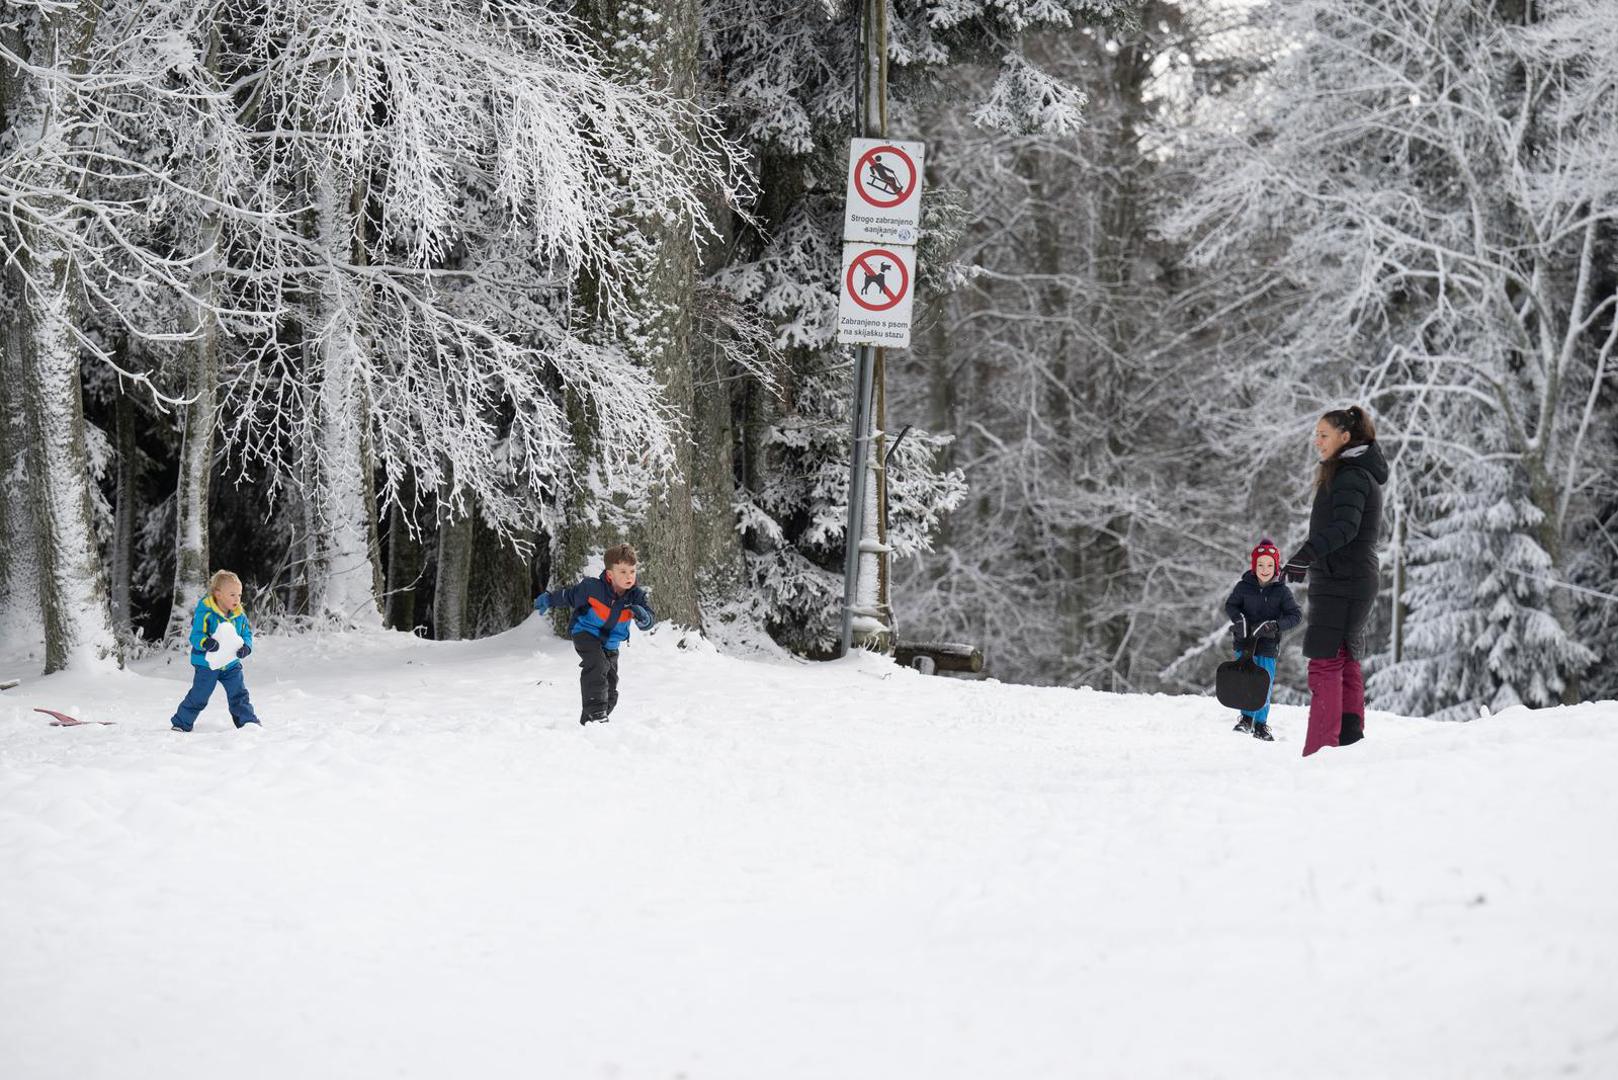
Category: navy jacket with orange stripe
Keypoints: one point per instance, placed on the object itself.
(596, 606)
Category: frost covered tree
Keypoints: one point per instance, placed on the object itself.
(1434, 177)
(81, 179)
(346, 238)
(22, 614)
(1582, 37)
(46, 52)
(656, 251)
(453, 169)
(787, 74)
(1094, 380)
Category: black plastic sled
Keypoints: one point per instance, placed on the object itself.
(1242, 684)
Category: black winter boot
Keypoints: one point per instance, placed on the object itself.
(1353, 729)
(1244, 724)
(592, 718)
(1262, 731)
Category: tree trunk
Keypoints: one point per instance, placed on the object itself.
(454, 572)
(22, 613)
(78, 625)
(404, 560)
(498, 596)
(656, 327)
(344, 568)
(123, 522)
(194, 486)
(722, 571)
(579, 536)
(1070, 361)
(719, 548)
(1544, 495)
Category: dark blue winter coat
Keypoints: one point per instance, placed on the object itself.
(599, 610)
(1262, 603)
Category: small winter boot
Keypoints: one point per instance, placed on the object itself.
(1244, 724)
(592, 718)
(1262, 731)
(1353, 729)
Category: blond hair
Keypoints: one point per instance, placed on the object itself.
(220, 577)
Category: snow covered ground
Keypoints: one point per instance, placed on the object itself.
(423, 867)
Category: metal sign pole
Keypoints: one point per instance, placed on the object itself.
(859, 443)
(870, 119)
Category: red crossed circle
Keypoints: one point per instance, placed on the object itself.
(865, 159)
(893, 295)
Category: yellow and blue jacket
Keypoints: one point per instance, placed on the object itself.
(206, 620)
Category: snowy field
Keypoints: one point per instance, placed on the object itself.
(423, 867)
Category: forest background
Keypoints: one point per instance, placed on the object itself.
(403, 308)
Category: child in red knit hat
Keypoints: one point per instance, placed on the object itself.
(1261, 608)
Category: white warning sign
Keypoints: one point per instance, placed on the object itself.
(884, 191)
(877, 284)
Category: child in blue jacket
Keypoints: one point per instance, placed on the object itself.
(602, 608)
(1261, 608)
(222, 604)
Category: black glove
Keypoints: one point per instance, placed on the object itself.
(241, 653)
(1269, 628)
(1238, 629)
(1297, 566)
(209, 644)
(643, 618)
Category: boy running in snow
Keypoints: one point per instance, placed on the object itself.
(223, 604)
(602, 607)
(1261, 609)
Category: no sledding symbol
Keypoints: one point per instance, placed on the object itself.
(883, 182)
(871, 270)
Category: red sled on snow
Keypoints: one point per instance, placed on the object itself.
(64, 720)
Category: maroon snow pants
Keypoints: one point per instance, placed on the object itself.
(1336, 688)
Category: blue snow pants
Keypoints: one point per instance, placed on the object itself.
(203, 680)
(1262, 716)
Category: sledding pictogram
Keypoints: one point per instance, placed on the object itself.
(884, 191)
(885, 176)
(877, 280)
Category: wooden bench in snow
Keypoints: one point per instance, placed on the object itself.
(931, 657)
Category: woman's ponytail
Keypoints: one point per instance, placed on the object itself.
(1354, 420)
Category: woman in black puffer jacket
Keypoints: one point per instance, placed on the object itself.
(1341, 563)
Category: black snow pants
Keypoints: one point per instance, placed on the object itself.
(598, 675)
